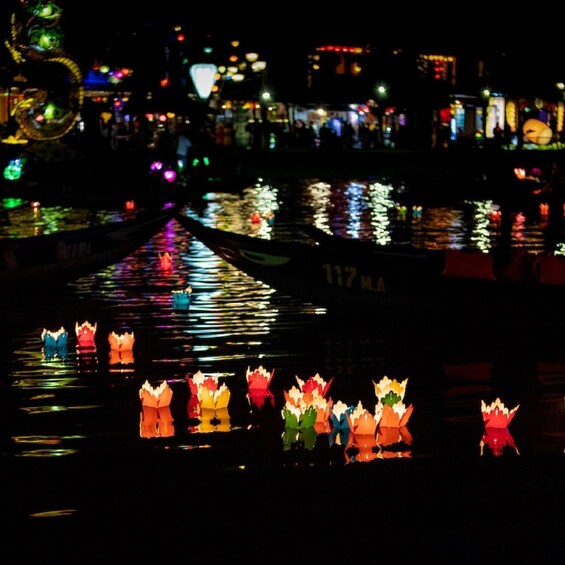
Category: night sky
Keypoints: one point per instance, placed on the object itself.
(290, 28)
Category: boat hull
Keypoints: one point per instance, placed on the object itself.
(355, 278)
(58, 258)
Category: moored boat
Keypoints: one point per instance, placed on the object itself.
(57, 258)
(354, 277)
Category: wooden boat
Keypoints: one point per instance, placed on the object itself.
(350, 276)
(57, 258)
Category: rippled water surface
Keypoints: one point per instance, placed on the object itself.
(72, 405)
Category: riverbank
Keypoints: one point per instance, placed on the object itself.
(65, 173)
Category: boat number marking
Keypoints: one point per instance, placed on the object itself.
(349, 277)
(72, 251)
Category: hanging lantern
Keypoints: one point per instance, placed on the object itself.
(538, 132)
(203, 77)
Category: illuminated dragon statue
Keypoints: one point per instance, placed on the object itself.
(54, 94)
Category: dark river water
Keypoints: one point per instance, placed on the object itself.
(85, 463)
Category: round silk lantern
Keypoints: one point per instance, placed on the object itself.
(538, 132)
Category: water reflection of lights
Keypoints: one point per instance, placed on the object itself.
(356, 205)
(480, 232)
(381, 203)
(318, 198)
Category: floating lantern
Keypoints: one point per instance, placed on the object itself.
(130, 205)
(315, 383)
(391, 410)
(496, 415)
(85, 333)
(56, 338)
(255, 218)
(199, 380)
(193, 407)
(166, 261)
(361, 421)
(338, 415)
(323, 408)
(181, 298)
(121, 342)
(259, 379)
(296, 418)
(155, 397)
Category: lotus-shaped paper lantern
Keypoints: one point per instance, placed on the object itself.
(56, 338)
(214, 399)
(121, 342)
(496, 415)
(361, 421)
(85, 333)
(181, 298)
(294, 417)
(259, 379)
(323, 408)
(315, 383)
(166, 261)
(199, 380)
(338, 415)
(156, 422)
(390, 391)
(497, 439)
(193, 407)
(155, 397)
(394, 416)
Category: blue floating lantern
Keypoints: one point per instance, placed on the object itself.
(181, 298)
(55, 339)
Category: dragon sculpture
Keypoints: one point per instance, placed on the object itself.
(53, 95)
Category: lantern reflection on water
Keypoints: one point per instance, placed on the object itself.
(156, 422)
(181, 298)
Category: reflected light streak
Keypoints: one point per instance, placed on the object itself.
(480, 228)
(381, 204)
(356, 204)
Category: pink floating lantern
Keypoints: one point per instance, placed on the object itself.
(85, 333)
(121, 342)
(166, 261)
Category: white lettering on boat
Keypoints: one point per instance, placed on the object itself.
(349, 277)
(73, 251)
